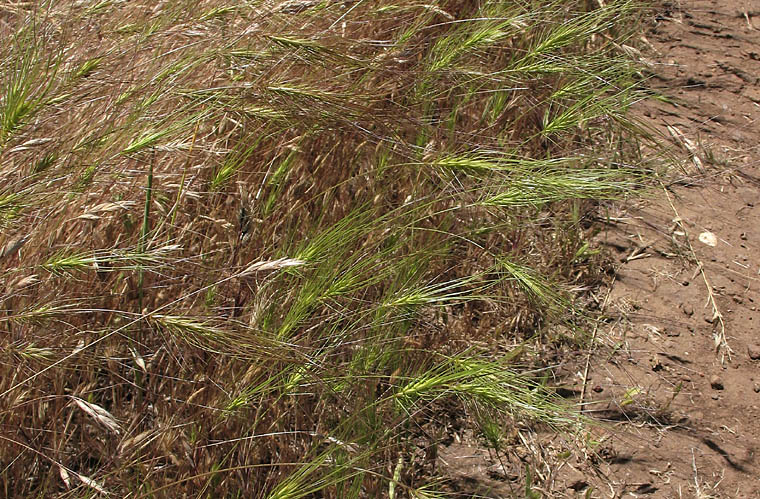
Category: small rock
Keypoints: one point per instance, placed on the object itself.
(754, 351)
(688, 309)
(715, 382)
(756, 387)
(598, 389)
(743, 236)
(708, 238)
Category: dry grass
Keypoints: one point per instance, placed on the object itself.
(247, 248)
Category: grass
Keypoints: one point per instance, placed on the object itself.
(258, 249)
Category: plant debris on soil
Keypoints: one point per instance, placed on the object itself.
(677, 376)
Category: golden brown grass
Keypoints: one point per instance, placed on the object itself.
(248, 247)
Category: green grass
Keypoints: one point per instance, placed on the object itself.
(259, 249)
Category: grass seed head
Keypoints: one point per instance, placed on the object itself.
(261, 242)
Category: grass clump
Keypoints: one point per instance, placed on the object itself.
(247, 248)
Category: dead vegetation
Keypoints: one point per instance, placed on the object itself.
(254, 249)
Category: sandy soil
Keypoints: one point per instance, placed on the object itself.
(689, 275)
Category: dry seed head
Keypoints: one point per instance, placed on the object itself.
(65, 476)
(137, 442)
(91, 483)
(99, 414)
(30, 144)
(26, 281)
(13, 246)
(271, 265)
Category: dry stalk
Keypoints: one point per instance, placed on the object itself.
(719, 326)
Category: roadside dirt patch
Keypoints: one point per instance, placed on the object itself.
(684, 415)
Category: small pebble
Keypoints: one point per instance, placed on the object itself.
(598, 389)
(687, 309)
(754, 351)
(756, 387)
(715, 382)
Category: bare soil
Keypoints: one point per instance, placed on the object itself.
(675, 372)
(689, 274)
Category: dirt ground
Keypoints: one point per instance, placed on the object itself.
(689, 275)
(675, 372)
